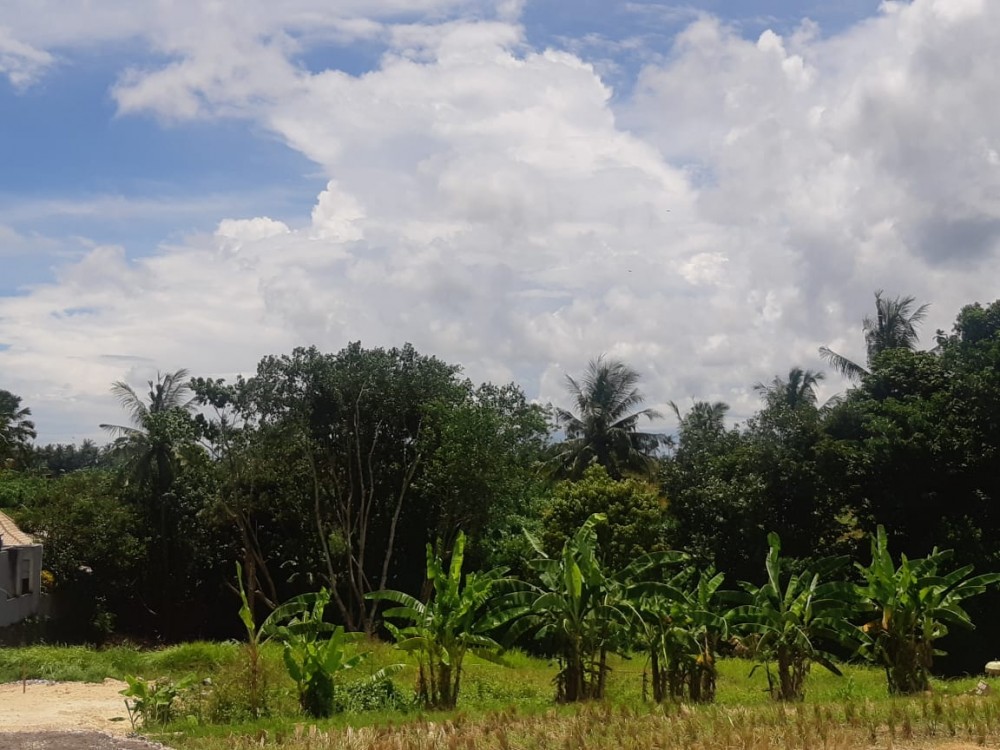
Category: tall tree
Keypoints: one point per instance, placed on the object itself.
(152, 450)
(16, 430)
(605, 428)
(893, 327)
(151, 444)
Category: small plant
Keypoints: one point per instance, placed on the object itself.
(256, 683)
(151, 702)
(373, 695)
(315, 652)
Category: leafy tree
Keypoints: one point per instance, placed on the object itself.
(605, 428)
(711, 493)
(635, 512)
(450, 625)
(342, 467)
(893, 327)
(16, 429)
(95, 548)
(58, 459)
(913, 605)
(786, 619)
(482, 467)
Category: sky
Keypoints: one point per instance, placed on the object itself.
(708, 191)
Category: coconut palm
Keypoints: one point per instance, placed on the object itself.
(702, 426)
(799, 389)
(605, 428)
(150, 444)
(16, 430)
(152, 449)
(893, 327)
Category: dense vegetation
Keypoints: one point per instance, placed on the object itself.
(336, 471)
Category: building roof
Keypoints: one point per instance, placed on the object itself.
(10, 535)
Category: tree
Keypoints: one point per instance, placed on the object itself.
(681, 622)
(16, 429)
(95, 549)
(153, 449)
(151, 445)
(342, 467)
(798, 390)
(605, 428)
(635, 511)
(893, 327)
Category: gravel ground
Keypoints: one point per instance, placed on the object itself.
(71, 741)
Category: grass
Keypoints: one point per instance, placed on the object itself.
(508, 708)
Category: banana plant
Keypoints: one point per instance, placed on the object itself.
(787, 619)
(450, 625)
(681, 622)
(316, 653)
(576, 609)
(910, 606)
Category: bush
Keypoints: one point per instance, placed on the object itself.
(378, 695)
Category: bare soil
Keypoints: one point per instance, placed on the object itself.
(66, 716)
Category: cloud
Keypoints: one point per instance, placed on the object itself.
(22, 63)
(496, 205)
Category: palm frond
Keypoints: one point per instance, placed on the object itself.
(846, 367)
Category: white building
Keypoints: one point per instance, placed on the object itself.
(20, 573)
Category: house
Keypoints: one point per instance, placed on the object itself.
(20, 573)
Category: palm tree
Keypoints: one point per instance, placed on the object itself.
(893, 327)
(16, 430)
(150, 444)
(152, 448)
(799, 389)
(605, 428)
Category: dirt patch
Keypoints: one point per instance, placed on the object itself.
(67, 706)
(66, 716)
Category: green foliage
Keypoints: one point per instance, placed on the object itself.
(680, 624)
(315, 652)
(785, 620)
(95, 548)
(381, 695)
(576, 609)
(16, 431)
(636, 516)
(604, 429)
(913, 605)
(151, 702)
(446, 628)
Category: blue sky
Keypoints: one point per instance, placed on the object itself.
(62, 140)
(708, 190)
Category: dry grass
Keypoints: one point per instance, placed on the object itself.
(940, 722)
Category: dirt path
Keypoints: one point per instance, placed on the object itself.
(65, 716)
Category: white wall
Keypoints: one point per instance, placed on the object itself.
(13, 606)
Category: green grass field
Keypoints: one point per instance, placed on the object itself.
(512, 707)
